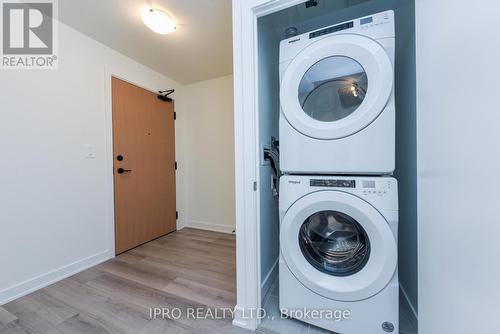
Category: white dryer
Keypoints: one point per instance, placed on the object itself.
(338, 241)
(337, 99)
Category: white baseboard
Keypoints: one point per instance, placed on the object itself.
(413, 312)
(39, 282)
(268, 281)
(205, 226)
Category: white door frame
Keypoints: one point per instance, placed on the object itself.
(246, 120)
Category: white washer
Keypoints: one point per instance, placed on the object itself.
(337, 99)
(338, 241)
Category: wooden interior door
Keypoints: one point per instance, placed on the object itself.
(144, 166)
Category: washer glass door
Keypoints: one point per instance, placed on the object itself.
(334, 243)
(338, 245)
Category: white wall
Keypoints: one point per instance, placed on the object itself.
(55, 206)
(458, 163)
(269, 39)
(207, 155)
(406, 157)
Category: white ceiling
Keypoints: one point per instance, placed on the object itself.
(200, 49)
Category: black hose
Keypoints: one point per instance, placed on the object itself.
(268, 156)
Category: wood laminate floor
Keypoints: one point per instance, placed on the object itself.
(189, 270)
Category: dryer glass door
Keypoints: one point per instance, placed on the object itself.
(333, 88)
(337, 86)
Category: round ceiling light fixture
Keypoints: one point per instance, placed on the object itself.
(158, 21)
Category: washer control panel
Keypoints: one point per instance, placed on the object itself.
(375, 187)
(364, 187)
(333, 183)
(379, 191)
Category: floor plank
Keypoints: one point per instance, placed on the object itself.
(186, 269)
(19, 327)
(204, 294)
(40, 311)
(6, 317)
(80, 324)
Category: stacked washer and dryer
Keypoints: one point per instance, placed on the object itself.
(338, 202)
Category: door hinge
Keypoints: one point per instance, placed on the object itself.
(176, 214)
(175, 115)
(255, 186)
(175, 165)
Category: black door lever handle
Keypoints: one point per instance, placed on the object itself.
(121, 170)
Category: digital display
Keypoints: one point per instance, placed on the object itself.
(368, 184)
(366, 20)
(334, 183)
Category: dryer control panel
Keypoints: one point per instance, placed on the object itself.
(377, 26)
(372, 21)
(331, 30)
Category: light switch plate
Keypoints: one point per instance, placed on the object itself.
(90, 151)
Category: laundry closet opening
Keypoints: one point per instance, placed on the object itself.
(336, 15)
